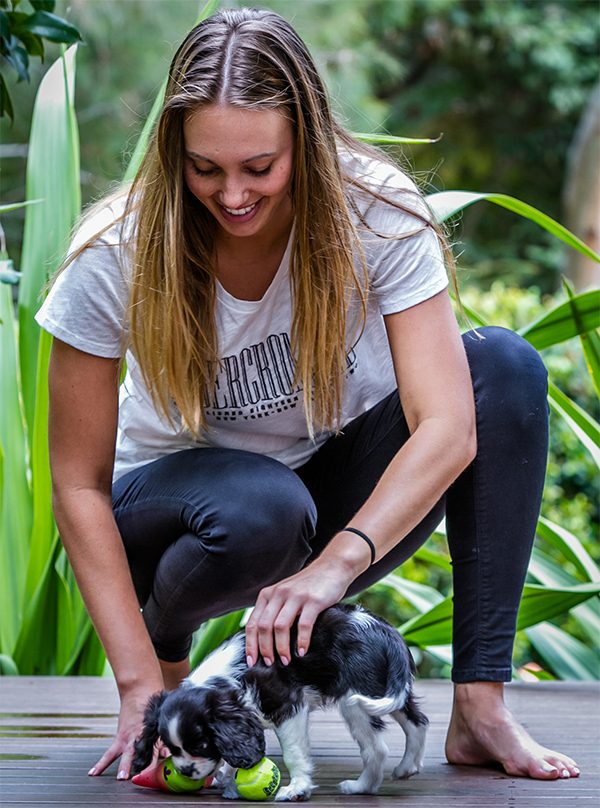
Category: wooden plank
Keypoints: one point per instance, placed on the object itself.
(56, 728)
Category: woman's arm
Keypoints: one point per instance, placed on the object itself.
(82, 429)
(437, 399)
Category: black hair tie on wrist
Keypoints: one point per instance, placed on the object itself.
(366, 538)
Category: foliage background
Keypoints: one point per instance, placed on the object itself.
(506, 81)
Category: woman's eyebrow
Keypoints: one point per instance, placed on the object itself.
(247, 160)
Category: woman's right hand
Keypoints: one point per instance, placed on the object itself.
(129, 728)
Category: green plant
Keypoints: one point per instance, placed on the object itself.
(45, 628)
(22, 35)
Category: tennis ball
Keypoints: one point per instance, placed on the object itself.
(260, 782)
(177, 782)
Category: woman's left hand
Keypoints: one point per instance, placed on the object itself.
(304, 596)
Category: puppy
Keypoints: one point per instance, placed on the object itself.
(218, 714)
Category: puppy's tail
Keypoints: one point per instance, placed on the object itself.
(383, 706)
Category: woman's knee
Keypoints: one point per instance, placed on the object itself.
(269, 509)
(506, 370)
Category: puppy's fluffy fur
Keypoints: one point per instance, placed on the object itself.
(355, 660)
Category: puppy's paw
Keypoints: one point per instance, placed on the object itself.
(357, 787)
(292, 793)
(230, 791)
(405, 770)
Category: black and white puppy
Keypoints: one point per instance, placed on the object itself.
(355, 660)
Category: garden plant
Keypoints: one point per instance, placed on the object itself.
(44, 627)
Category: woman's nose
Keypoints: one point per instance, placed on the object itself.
(233, 194)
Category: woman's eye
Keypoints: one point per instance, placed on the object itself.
(261, 173)
(202, 173)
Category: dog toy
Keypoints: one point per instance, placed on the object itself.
(165, 777)
(260, 782)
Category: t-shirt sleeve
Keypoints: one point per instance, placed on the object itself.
(86, 305)
(407, 271)
(404, 256)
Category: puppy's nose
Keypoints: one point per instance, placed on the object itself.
(188, 770)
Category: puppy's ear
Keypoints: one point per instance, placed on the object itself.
(239, 734)
(144, 745)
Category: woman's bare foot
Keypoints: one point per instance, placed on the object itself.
(174, 672)
(482, 730)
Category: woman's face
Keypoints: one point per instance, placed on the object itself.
(239, 164)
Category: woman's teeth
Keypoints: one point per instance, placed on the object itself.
(240, 211)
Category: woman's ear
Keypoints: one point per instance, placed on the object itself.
(238, 732)
(144, 746)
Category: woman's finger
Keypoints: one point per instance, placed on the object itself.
(112, 753)
(281, 628)
(306, 622)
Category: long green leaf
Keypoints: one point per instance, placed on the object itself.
(549, 572)
(7, 666)
(420, 596)
(446, 204)
(590, 342)
(570, 546)
(43, 533)
(142, 143)
(15, 494)
(570, 319)
(35, 650)
(543, 603)
(52, 175)
(144, 138)
(538, 603)
(16, 205)
(583, 425)
(391, 139)
(214, 632)
(423, 554)
(568, 657)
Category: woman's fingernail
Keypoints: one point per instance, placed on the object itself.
(92, 771)
(267, 661)
(284, 660)
(301, 651)
(249, 661)
(122, 775)
(547, 767)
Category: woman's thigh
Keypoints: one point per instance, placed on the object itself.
(248, 513)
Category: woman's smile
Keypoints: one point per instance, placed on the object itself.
(239, 163)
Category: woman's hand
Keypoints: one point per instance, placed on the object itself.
(129, 728)
(304, 596)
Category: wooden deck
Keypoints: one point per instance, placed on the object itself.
(55, 729)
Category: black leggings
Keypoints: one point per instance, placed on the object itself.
(206, 529)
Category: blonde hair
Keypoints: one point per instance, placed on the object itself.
(250, 59)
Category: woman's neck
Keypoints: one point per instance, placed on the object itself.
(247, 266)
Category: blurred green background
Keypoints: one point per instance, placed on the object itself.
(513, 87)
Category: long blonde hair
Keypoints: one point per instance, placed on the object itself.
(250, 59)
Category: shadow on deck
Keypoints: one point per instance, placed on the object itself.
(54, 729)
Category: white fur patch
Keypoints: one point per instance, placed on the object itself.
(173, 731)
(227, 661)
(363, 619)
(380, 707)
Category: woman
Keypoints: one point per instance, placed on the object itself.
(275, 284)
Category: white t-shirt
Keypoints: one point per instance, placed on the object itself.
(254, 405)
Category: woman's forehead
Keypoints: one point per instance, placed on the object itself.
(240, 133)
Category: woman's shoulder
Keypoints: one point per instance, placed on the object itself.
(382, 194)
(377, 175)
(107, 223)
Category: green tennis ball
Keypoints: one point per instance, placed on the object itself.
(177, 782)
(260, 782)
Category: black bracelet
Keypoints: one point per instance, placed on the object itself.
(366, 538)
